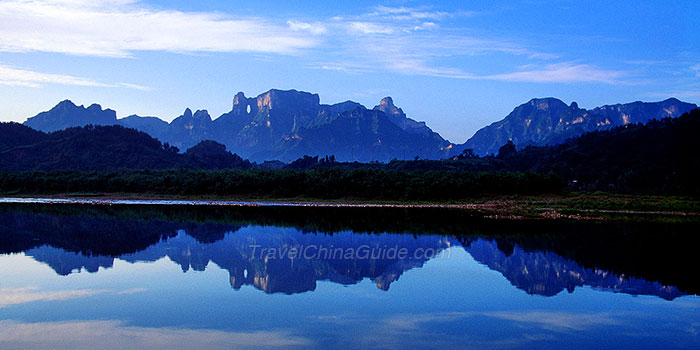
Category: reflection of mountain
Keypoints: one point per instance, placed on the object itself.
(546, 273)
(541, 257)
(246, 255)
(65, 263)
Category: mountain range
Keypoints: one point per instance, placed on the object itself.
(549, 121)
(285, 125)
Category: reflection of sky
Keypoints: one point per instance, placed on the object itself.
(451, 303)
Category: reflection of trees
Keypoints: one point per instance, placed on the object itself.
(648, 251)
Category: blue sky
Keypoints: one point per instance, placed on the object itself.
(456, 65)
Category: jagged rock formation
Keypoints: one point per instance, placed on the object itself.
(549, 121)
(289, 124)
(277, 124)
(285, 125)
(189, 129)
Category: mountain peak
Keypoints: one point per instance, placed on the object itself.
(387, 106)
(66, 114)
(94, 107)
(288, 99)
(239, 99)
(187, 113)
(202, 114)
(546, 103)
(66, 103)
(672, 100)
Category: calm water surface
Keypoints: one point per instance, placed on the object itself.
(124, 277)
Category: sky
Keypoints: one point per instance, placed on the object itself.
(457, 65)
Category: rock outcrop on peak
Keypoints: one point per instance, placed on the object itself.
(549, 121)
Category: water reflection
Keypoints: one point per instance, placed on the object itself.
(548, 274)
(73, 239)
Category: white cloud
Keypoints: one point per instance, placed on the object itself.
(26, 78)
(553, 73)
(117, 335)
(313, 28)
(117, 28)
(344, 67)
(411, 13)
(404, 40)
(557, 321)
(562, 73)
(426, 26)
(696, 69)
(370, 28)
(14, 296)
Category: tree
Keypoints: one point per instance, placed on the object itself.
(467, 153)
(506, 151)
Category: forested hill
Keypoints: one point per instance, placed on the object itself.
(660, 156)
(102, 148)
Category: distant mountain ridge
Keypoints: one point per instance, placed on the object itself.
(277, 124)
(549, 121)
(66, 115)
(288, 124)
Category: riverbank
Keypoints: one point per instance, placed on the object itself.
(574, 206)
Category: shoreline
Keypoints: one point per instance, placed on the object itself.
(503, 208)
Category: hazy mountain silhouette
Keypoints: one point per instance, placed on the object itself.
(66, 114)
(277, 124)
(287, 124)
(549, 121)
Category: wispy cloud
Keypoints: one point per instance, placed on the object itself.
(14, 296)
(562, 73)
(26, 78)
(403, 13)
(411, 41)
(313, 28)
(558, 321)
(117, 28)
(117, 335)
(406, 40)
(370, 28)
(696, 69)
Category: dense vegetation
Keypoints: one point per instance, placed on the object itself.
(661, 157)
(102, 148)
(327, 183)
